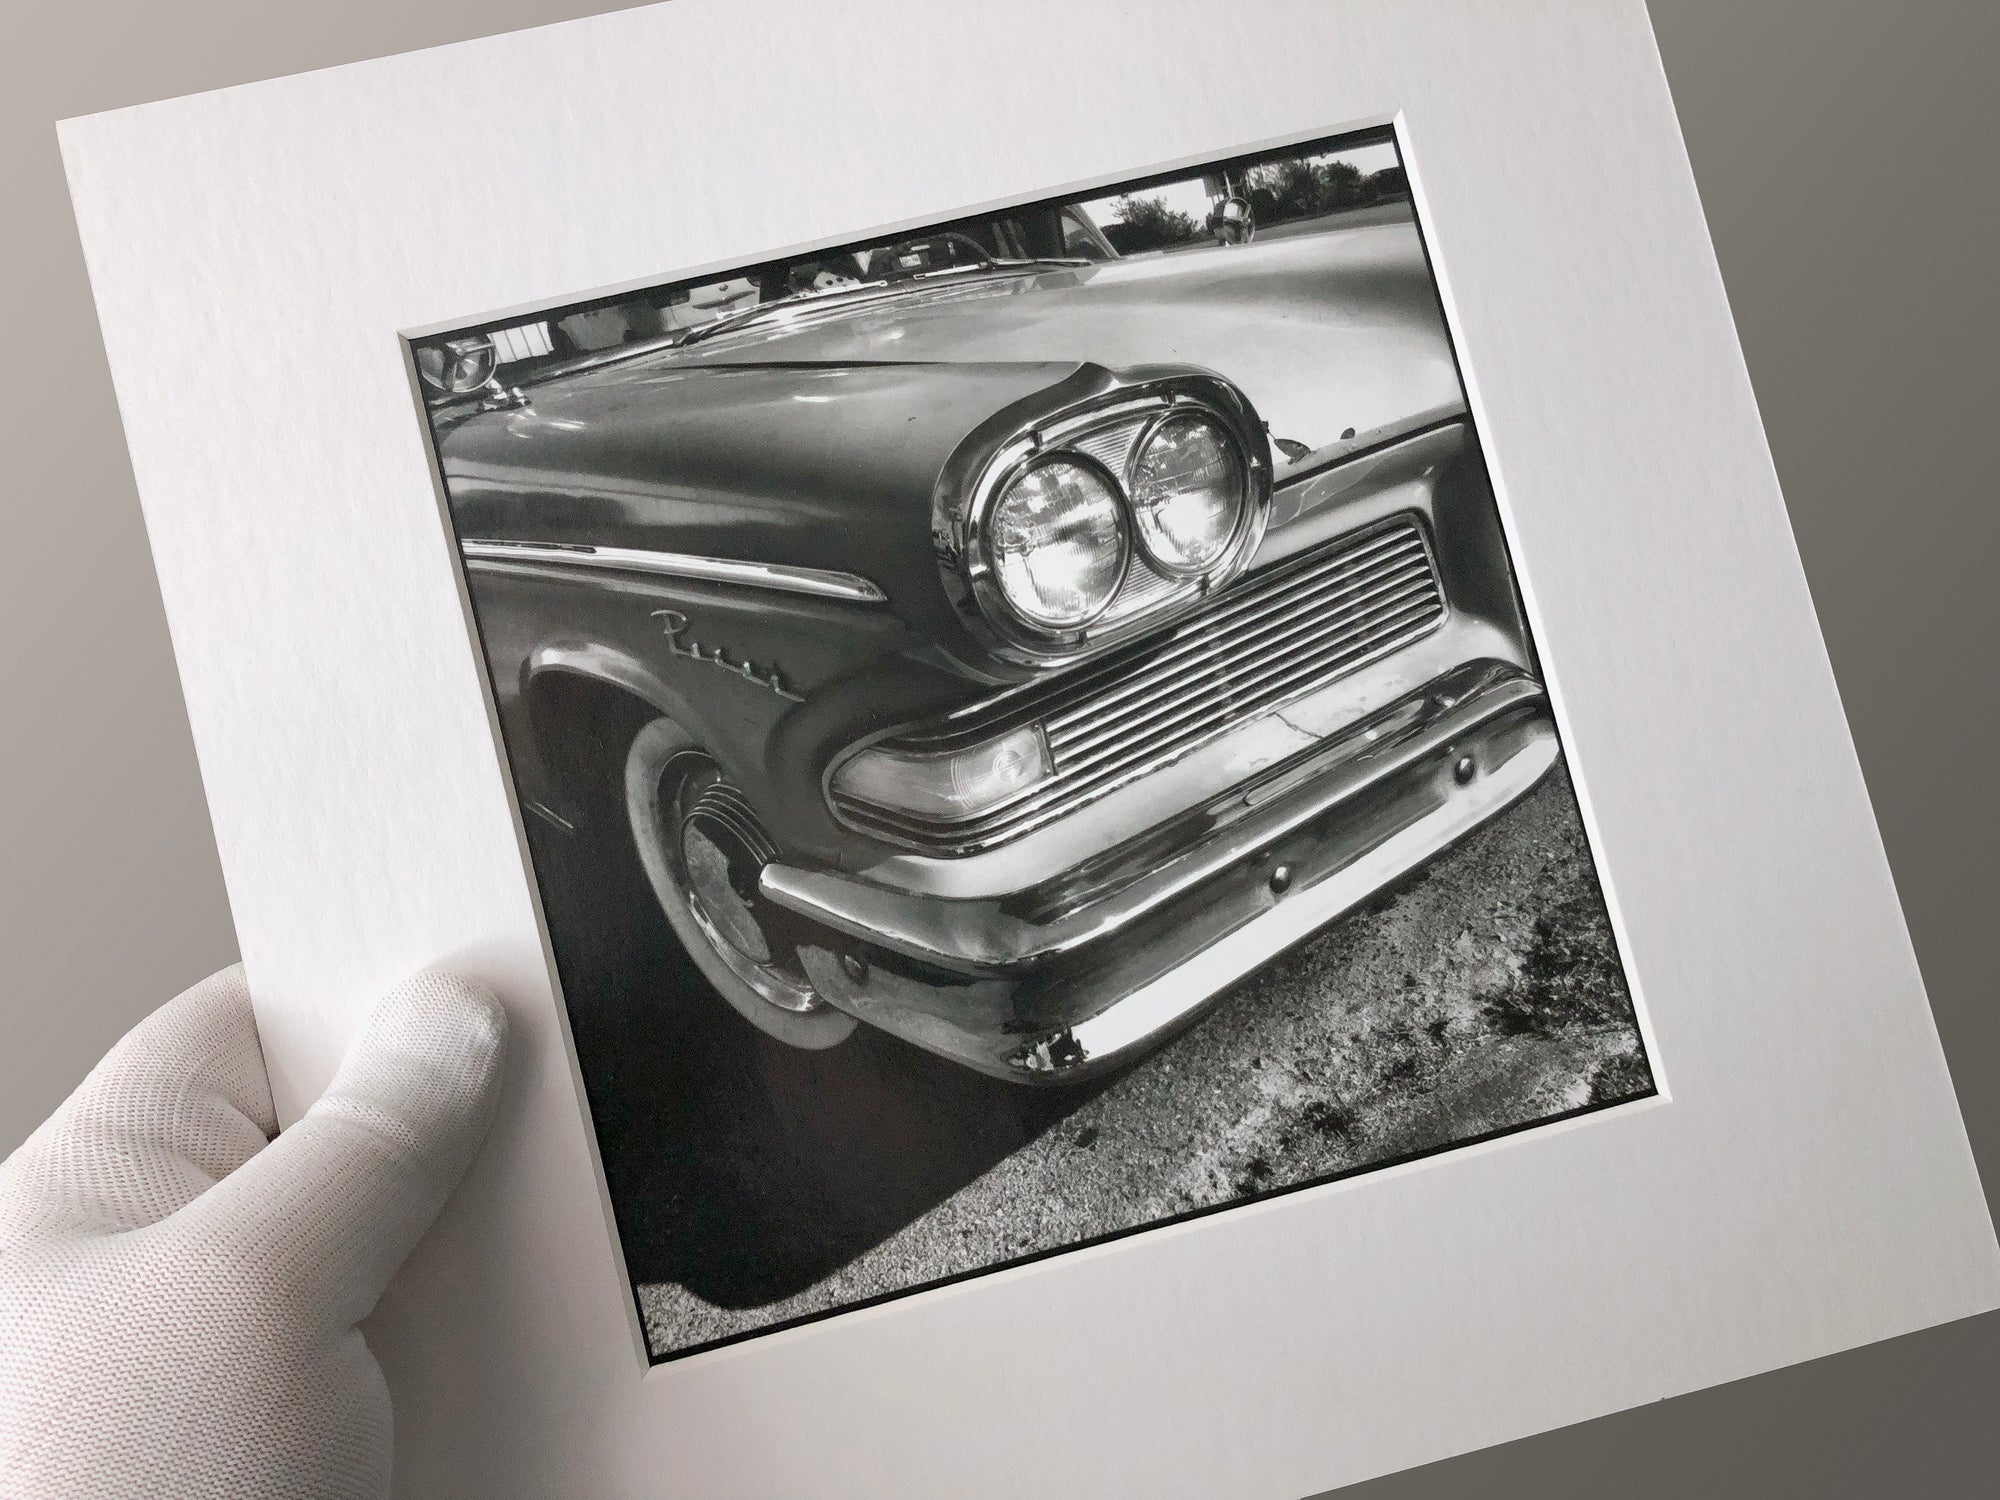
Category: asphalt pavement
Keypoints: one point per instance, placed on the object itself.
(755, 1185)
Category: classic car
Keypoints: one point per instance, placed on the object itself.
(1001, 642)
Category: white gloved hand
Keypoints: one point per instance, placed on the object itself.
(179, 1291)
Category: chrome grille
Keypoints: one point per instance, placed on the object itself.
(1272, 637)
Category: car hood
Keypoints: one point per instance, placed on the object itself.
(1332, 334)
(826, 467)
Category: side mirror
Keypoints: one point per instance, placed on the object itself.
(458, 367)
(1232, 223)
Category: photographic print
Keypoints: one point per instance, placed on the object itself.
(1025, 729)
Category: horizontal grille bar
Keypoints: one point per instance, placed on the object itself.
(1299, 629)
(1273, 637)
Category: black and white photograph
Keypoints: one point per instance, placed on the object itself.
(1025, 728)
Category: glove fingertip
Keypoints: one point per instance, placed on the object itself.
(444, 1021)
(426, 1068)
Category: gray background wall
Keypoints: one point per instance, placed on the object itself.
(1846, 157)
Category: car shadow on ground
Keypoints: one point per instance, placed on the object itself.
(744, 1170)
(756, 1185)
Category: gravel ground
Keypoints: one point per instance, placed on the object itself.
(755, 1185)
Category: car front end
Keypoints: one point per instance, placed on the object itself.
(1216, 752)
(1015, 656)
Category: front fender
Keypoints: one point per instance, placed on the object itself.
(772, 685)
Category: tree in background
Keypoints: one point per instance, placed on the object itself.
(1294, 188)
(1299, 189)
(1148, 224)
(1390, 182)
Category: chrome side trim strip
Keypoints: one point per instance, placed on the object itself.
(1336, 455)
(820, 582)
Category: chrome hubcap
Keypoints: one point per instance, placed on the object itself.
(719, 851)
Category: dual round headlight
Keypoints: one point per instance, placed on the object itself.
(1189, 487)
(1061, 534)
(1059, 543)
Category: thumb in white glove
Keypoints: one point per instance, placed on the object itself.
(179, 1291)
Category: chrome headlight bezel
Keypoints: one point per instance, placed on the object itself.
(1104, 425)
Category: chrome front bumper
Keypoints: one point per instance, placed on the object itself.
(1079, 972)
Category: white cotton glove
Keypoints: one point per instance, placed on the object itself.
(179, 1291)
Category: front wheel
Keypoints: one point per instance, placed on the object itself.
(702, 848)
